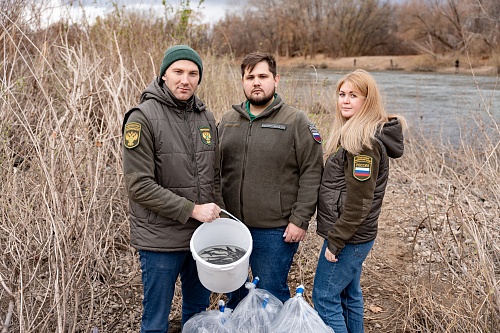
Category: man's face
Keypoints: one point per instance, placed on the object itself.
(259, 85)
(182, 79)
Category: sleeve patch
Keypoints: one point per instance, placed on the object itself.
(315, 133)
(362, 169)
(132, 135)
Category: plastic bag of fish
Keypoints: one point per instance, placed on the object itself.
(298, 316)
(256, 311)
(211, 321)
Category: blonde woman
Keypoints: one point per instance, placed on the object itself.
(363, 138)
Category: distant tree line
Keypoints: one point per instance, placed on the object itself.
(339, 28)
(294, 28)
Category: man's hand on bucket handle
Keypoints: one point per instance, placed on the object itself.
(206, 212)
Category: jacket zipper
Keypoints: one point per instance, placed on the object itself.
(247, 138)
(193, 156)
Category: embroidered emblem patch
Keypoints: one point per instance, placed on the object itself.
(132, 135)
(206, 136)
(315, 133)
(362, 167)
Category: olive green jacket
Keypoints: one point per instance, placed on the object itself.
(169, 164)
(270, 167)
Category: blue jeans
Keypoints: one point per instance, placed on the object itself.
(159, 274)
(270, 261)
(337, 294)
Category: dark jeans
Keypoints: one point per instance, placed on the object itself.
(159, 274)
(270, 261)
(337, 294)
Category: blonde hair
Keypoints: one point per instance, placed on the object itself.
(358, 132)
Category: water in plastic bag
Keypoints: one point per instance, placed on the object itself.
(211, 321)
(256, 311)
(298, 316)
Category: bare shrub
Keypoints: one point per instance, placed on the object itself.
(453, 196)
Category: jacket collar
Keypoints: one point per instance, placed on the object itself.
(275, 105)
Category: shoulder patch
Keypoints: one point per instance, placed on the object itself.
(206, 135)
(362, 169)
(315, 133)
(132, 135)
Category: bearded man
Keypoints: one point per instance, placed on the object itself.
(271, 165)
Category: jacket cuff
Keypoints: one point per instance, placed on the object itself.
(333, 249)
(335, 245)
(298, 223)
(186, 211)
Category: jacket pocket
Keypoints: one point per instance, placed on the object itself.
(143, 214)
(340, 203)
(265, 203)
(139, 211)
(330, 202)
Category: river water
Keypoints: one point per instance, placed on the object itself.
(452, 108)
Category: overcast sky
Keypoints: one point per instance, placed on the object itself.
(212, 10)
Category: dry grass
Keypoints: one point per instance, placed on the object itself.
(66, 264)
(450, 210)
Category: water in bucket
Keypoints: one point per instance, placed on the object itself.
(222, 254)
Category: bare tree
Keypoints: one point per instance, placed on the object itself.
(483, 25)
(361, 27)
(439, 26)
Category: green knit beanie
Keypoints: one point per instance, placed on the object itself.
(180, 52)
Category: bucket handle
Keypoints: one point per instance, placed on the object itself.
(231, 215)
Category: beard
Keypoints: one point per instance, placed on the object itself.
(261, 100)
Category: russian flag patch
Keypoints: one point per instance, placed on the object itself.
(315, 133)
(362, 169)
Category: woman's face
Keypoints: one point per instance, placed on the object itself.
(350, 100)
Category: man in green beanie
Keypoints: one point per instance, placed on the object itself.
(172, 179)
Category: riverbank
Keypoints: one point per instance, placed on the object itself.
(409, 63)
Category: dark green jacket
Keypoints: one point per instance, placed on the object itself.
(270, 167)
(350, 200)
(172, 167)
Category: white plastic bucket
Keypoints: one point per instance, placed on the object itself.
(222, 231)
